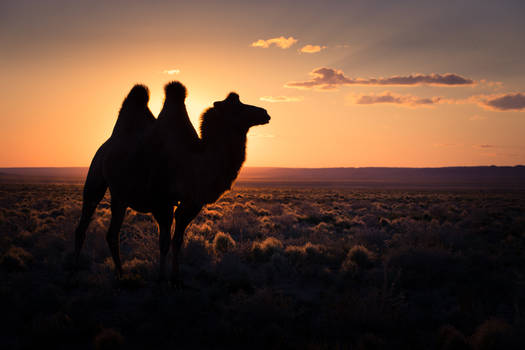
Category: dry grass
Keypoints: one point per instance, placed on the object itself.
(271, 268)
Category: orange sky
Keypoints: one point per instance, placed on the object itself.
(357, 84)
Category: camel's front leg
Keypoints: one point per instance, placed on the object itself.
(118, 211)
(184, 214)
(164, 217)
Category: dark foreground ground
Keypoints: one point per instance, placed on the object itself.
(272, 268)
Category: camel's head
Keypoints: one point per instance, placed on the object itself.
(239, 114)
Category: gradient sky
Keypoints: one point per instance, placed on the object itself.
(347, 83)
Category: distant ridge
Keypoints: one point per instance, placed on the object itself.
(508, 177)
(43, 175)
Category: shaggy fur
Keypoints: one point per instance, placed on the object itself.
(174, 117)
(134, 115)
(170, 167)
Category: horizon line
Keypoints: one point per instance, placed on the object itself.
(301, 167)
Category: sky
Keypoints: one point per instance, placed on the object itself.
(347, 83)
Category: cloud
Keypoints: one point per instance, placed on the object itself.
(389, 97)
(485, 146)
(329, 78)
(171, 71)
(281, 99)
(312, 48)
(282, 42)
(502, 102)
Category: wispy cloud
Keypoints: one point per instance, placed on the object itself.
(171, 71)
(282, 42)
(397, 99)
(281, 98)
(328, 78)
(484, 146)
(501, 102)
(312, 48)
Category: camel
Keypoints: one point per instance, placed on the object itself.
(155, 166)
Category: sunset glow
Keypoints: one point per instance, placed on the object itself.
(347, 83)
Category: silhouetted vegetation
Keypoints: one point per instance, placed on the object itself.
(271, 268)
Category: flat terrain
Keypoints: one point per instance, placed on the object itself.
(315, 268)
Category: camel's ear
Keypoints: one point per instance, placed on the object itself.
(217, 104)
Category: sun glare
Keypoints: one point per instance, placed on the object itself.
(194, 104)
(155, 105)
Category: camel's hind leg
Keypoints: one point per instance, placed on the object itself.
(184, 214)
(94, 191)
(164, 217)
(118, 211)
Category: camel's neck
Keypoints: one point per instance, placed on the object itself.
(224, 157)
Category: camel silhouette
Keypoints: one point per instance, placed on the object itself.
(154, 165)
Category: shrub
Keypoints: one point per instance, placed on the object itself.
(450, 338)
(307, 253)
(426, 267)
(234, 273)
(138, 266)
(196, 250)
(223, 243)
(263, 251)
(360, 256)
(16, 259)
(493, 334)
(109, 339)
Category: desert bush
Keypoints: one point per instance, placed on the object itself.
(360, 256)
(372, 237)
(223, 243)
(203, 228)
(109, 339)
(16, 259)
(24, 238)
(136, 265)
(263, 251)
(234, 274)
(426, 267)
(197, 250)
(493, 334)
(306, 254)
(449, 338)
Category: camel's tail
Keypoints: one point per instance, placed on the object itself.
(175, 92)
